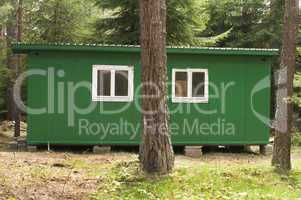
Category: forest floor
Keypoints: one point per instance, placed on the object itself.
(73, 174)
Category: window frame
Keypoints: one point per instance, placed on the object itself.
(190, 98)
(113, 69)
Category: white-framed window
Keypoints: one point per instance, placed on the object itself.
(112, 83)
(190, 85)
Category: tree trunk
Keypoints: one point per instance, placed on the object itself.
(19, 18)
(14, 33)
(10, 62)
(284, 111)
(156, 153)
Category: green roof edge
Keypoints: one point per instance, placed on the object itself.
(27, 47)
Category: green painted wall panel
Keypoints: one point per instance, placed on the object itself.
(254, 127)
(239, 73)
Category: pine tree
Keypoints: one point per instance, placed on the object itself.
(156, 153)
(58, 21)
(283, 122)
(253, 23)
(120, 22)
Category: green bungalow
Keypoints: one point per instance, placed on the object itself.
(90, 94)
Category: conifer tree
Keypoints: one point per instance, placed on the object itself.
(120, 22)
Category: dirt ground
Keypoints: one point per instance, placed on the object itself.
(57, 175)
(44, 175)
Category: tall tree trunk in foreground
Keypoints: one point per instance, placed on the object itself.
(19, 19)
(283, 122)
(10, 36)
(156, 153)
(14, 33)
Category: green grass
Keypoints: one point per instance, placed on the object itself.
(206, 181)
(92, 170)
(119, 177)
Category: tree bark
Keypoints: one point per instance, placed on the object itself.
(284, 111)
(14, 33)
(156, 153)
(10, 62)
(19, 18)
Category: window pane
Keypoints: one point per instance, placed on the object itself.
(104, 83)
(181, 84)
(121, 83)
(198, 84)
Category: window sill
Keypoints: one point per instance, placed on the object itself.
(190, 100)
(112, 99)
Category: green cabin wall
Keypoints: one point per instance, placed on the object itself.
(244, 70)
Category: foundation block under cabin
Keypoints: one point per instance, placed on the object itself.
(18, 145)
(193, 151)
(266, 149)
(31, 148)
(101, 149)
(13, 145)
(262, 149)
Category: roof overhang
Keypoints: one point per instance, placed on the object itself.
(26, 48)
